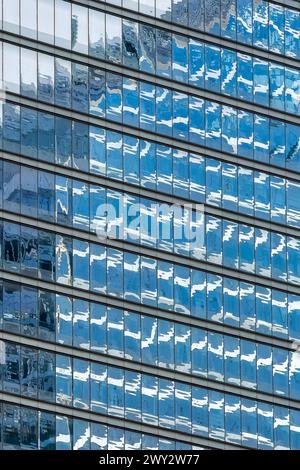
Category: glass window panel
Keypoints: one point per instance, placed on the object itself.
(212, 68)
(293, 147)
(11, 247)
(29, 134)
(64, 260)
(216, 414)
(276, 28)
(229, 129)
(276, 78)
(46, 315)
(277, 143)
(197, 177)
(265, 426)
(212, 17)
(64, 319)
(213, 125)
(46, 376)
(45, 78)
(246, 246)
(11, 16)
(214, 298)
(11, 187)
(46, 21)
(148, 268)
(79, 29)
(63, 433)
(63, 380)
(130, 43)
(98, 327)
(163, 53)
(281, 428)
(199, 352)
(247, 306)
(29, 311)
(232, 360)
(47, 255)
(113, 38)
(47, 431)
(46, 195)
(233, 419)
(132, 391)
(80, 98)
(244, 21)
(115, 332)
(263, 310)
(294, 316)
(261, 82)
(147, 45)
(46, 137)
(150, 399)
(262, 194)
(97, 34)
(248, 364)
(245, 77)
(29, 251)
(97, 148)
(12, 369)
(182, 348)
(262, 252)
(231, 302)
(81, 194)
(278, 256)
(264, 368)
(166, 351)
(230, 244)
(98, 390)
(130, 102)
(278, 199)
(260, 23)
(115, 392)
(11, 298)
(29, 365)
(98, 268)
(295, 429)
(166, 403)
(228, 71)
(63, 22)
(213, 240)
(200, 411)
(80, 146)
(292, 28)
(11, 128)
(147, 106)
(62, 82)
(28, 73)
(196, 63)
(183, 407)
(228, 19)
(81, 435)
(246, 135)
(64, 199)
(81, 384)
(279, 313)
(98, 436)
(11, 71)
(165, 285)
(215, 357)
(114, 97)
(164, 111)
(131, 156)
(11, 427)
(213, 182)
(81, 274)
(249, 422)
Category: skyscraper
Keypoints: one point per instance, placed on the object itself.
(150, 215)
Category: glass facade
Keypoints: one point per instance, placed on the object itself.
(149, 232)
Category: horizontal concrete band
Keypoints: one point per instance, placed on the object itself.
(150, 311)
(194, 33)
(160, 372)
(153, 79)
(151, 252)
(148, 193)
(117, 422)
(151, 136)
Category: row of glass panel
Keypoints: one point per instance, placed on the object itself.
(151, 341)
(152, 282)
(153, 108)
(36, 134)
(148, 222)
(145, 398)
(170, 55)
(260, 23)
(25, 428)
(254, 22)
